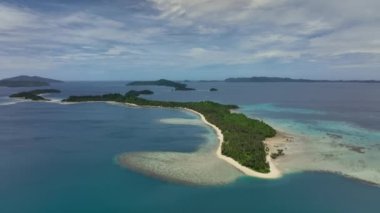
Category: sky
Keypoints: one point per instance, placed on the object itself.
(190, 39)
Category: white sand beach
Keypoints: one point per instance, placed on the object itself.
(274, 171)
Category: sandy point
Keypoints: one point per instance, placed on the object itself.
(274, 171)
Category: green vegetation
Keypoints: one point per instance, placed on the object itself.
(279, 153)
(243, 137)
(107, 97)
(34, 94)
(213, 89)
(162, 82)
(137, 93)
(27, 81)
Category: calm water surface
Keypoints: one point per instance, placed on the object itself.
(60, 158)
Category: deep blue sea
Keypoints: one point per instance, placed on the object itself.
(57, 158)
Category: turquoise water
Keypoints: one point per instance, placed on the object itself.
(335, 146)
(60, 158)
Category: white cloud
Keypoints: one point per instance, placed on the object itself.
(13, 18)
(271, 54)
(313, 26)
(283, 30)
(184, 12)
(258, 41)
(116, 51)
(203, 56)
(25, 32)
(122, 50)
(209, 56)
(82, 18)
(197, 32)
(209, 30)
(28, 64)
(357, 39)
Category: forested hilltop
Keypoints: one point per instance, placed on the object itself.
(34, 95)
(243, 136)
(162, 82)
(27, 81)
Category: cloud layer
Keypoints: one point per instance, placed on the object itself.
(318, 39)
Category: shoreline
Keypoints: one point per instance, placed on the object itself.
(281, 135)
(274, 172)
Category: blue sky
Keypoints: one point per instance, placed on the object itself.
(190, 39)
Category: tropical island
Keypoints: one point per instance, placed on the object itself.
(27, 81)
(241, 138)
(162, 82)
(137, 93)
(34, 95)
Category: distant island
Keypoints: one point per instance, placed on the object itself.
(278, 79)
(137, 93)
(34, 95)
(27, 81)
(162, 82)
(213, 89)
(242, 137)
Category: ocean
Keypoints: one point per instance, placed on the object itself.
(62, 158)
